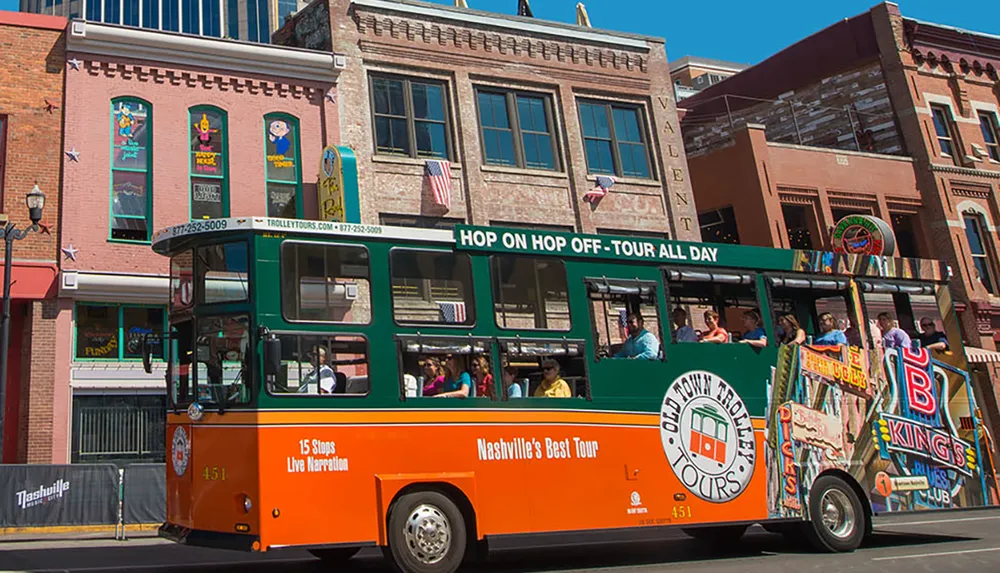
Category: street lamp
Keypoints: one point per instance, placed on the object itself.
(35, 201)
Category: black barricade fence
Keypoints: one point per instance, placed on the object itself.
(43, 495)
(145, 494)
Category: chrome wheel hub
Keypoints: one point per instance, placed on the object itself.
(428, 534)
(837, 514)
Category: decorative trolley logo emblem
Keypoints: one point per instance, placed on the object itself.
(180, 451)
(708, 436)
(863, 235)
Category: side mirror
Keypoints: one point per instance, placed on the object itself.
(272, 356)
(147, 355)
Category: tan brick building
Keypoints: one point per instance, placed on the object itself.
(31, 111)
(527, 112)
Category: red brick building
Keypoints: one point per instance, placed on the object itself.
(528, 113)
(877, 114)
(31, 111)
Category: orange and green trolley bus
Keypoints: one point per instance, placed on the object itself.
(440, 393)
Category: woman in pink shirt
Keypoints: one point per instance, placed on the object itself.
(433, 376)
(715, 333)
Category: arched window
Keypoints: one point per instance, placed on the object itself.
(209, 165)
(283, 169)
(131, 169)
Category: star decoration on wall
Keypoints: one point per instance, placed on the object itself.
(73, 155)
(331, 96)
(74, 63)
(70, 252)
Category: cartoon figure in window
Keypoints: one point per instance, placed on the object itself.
(125, 121)
(205, 131)
(277, 133)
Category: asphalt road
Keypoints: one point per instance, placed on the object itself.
(963, 542)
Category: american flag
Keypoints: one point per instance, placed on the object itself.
(453, 312)
(604, 184)
(438, 173)
(523, 9)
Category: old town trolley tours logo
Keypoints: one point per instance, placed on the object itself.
(180, 451)
(708, 436)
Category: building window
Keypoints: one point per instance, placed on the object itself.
(209, 166)
(150, 14)
(797, 223)
(211, 18)
(410, 117)
(613, 139)
(517, 129)
(841, 212)
(171, 15)
(286, 9)
(991, 134)
(130, 12)
(120, 428)
(283, 171)
(945, 130)
(114, 332)
(233, 19)
(974, 232)
(719, 226)
(131, 170)
(904, 226)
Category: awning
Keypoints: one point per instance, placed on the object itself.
(980, 355)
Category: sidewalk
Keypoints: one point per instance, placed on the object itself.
(99, 533)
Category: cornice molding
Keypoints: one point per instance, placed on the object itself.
(965, 171)
(465, 17)
(224, 83)
(197, 51)
(501, 43)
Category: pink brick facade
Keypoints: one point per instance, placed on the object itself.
(465, 51)
(170, 74)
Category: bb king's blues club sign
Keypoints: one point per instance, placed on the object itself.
(903, 422)
(922, 439)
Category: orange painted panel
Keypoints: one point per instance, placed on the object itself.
(328, 481)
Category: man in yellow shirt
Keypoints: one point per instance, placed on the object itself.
(552, 386)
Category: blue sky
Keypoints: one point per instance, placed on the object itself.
(744, 31)
(739, 31)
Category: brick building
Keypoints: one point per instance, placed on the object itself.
(31, 112)
(877, 114)
(527, 112)
(168, 128)
(692, 74)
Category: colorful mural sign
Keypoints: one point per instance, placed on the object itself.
(863, 235)
(902, 422)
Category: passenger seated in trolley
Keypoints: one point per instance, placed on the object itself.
(641, 343)
(930, 337)
(791, 332)
(892, 335)
(552, 386)
(829, 335)
(714, 332)
(754, 334)
(457, 382)
(683, 331)
(322, 376)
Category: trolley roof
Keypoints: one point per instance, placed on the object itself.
(610, 248)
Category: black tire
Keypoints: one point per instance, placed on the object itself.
(426, 534)
(723, 534)
(337, 556)
(838, 521)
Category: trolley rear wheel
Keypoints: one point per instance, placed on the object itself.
(426, 534)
